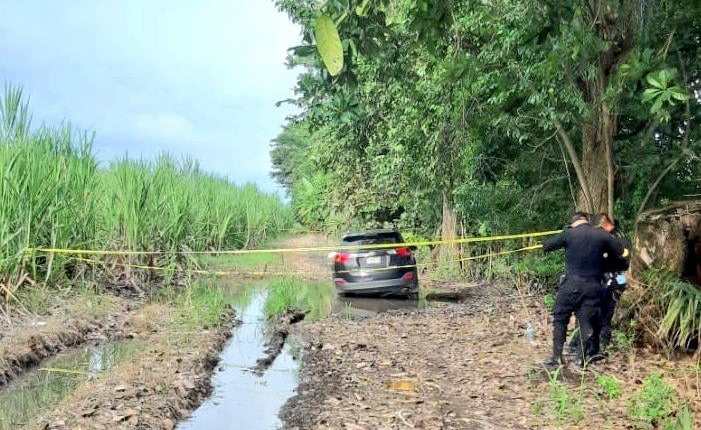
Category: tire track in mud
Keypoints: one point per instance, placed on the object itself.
(276, 339)
(158, 387)
(27, 346)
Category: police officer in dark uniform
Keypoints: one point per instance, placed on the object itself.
(614, 283)
(581, 290)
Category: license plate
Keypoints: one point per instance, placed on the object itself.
(373, 261)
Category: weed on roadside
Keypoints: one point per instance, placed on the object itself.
(623, 339)
(565, 406)
(200, 306)
(549, 302)
(683, 421)
(611, 386)
(315, 298)
(655, 403)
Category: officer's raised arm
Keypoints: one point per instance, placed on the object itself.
(555, 243)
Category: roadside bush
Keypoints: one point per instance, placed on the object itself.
(542, 270)
(671, 306)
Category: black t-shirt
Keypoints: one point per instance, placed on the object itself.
(585, 247)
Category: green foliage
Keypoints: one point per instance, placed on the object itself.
(314, 298)
(329, 45)
(54, 195)
(565, 406)
(663, 92)
(610, 386)
(549, 302)
(201, 306)
(655, 402)
(684, 420)
(679, 303)
(623, 339)
(542, 269)
(452, 107)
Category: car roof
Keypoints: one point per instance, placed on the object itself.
(378, 231)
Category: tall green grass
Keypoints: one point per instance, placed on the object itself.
(314, 298)
(53, 194)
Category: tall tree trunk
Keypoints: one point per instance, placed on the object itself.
(448, 253)
(597, 163)
(597, 150)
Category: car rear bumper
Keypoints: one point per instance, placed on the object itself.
(384, 287)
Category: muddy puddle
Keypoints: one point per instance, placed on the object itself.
(365, 307)
(246, 399)
(23, 400)
(241, 398)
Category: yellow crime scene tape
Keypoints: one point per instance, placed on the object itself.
(457, 241)
(309, 249)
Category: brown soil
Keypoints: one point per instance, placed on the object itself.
(154, 389)
(276, 339)
(29, 341)
(458, 366)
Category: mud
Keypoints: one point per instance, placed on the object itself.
(243, 399)
(26, 346)
(276, 339)
(457, 366)
(156, 388)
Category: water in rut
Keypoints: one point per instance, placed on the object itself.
(242, 399)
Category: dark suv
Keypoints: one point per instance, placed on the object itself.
(386, 272)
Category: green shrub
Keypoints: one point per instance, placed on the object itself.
(623, 339)
(676, 305)
(655, 402)
(610, 386)
(549, 302)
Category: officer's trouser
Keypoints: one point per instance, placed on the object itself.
(582, 297)
(610, 296)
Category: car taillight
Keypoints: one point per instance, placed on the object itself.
(342, 257)
(403, 252)
(409, 276)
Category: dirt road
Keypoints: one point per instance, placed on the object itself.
(465, 365)
(459, 366)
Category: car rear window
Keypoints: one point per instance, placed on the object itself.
(373, 238)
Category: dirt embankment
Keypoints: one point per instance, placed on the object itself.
(157, 387)
(277, 336)
(25, 343)
(459, 366)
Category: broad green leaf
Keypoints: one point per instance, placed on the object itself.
(679, 94)
(362, 9)
(328, 42)
(652, 80)
(650, 94)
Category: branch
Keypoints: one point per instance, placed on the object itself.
(654, 186)
(577, 165)
(683, 148)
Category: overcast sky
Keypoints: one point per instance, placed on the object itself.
(187, 77)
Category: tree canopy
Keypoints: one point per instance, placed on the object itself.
(491, 115)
